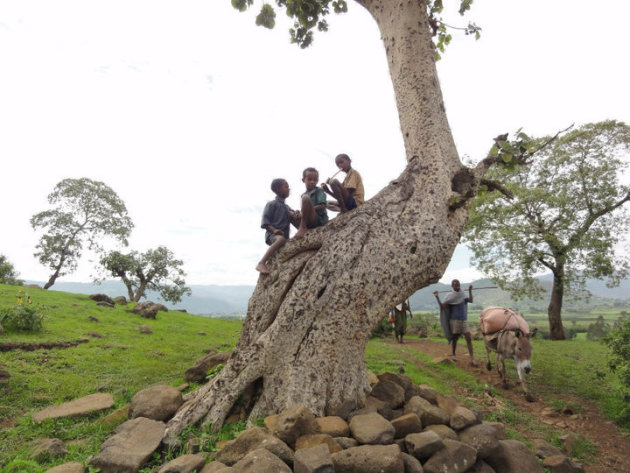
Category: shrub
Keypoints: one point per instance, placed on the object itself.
(22, 466)
(597, 330)
(23, 316)
(619, 343)
(8, 274)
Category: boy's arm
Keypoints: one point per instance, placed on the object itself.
(272, 229)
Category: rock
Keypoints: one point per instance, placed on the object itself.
(102, 298)
(561, 464)
(48, 448)
(216, 467)
(157, 403)
(148, 309)
(411, 463)
(455, 457)
(105, 304)
(448, 403)
(512, 456)
(389, 392)
(91, 318)
(500, 428)
(261, 460)
(70, 467)
(116, 417)
(293, 423)
(427, 412)
(444, 431)
(372, 378)
(334, 426)
(427, 392)
(423, 445)
(121, 300)
(131, 446)
(372, 429)
(78, 407)
(544, 449)
(312, 440)
(313, 460)
(382, 407)
(406, 424)
(250, 440)
(569, 441)
(369, 459)
(481, 467)
(145, 329)
(482, 437)
(346, 442)
(462, 418)
(95, 334)
(199, 371)
(401, 380)
(184, 464)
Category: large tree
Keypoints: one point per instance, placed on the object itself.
(308, 322)
(84, 212)
(563, 213)
(155, 270)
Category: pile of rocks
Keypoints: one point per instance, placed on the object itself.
(404, 428)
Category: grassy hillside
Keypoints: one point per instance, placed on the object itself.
(118, 359)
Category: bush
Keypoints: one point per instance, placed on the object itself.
(22, 466)
(23, 316)
(619, 343)
(597, 330)
(8, 274)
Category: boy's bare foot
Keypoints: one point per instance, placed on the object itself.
(300, 233)
(262, 268)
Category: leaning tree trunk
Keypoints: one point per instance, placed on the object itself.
(554, 310)
(308, 322)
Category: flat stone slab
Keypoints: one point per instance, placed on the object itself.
(78, 407)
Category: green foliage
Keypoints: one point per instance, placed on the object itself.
(84, 211)
(598, 329)
(8, 274)
(309, 15)
(22, 466)
(565, 215)
(156, 270)
(22, 316)
(619, 343)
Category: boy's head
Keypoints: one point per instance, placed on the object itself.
(455, 285)
(343, 162)
(280, 187)
(310, 177)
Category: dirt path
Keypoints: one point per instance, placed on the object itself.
(613, 448)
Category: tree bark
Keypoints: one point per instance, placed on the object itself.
(308, 322)
(554, 311)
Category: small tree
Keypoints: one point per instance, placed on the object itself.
(8, 274)
(156, 270)
(84, 212)
(562, 213)
(598, 329)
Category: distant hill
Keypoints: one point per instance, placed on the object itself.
(215, 300)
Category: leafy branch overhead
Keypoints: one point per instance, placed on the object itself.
(309, 15)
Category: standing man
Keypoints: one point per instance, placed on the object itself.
(399, 313)
(455, 306)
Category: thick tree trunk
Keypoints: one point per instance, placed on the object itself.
(554, 311)
(308, 322)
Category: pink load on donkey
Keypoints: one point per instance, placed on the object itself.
(493, 319)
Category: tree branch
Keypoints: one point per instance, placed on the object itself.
(496, 186)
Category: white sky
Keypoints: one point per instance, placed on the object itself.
(188, 110)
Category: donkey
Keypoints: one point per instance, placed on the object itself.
(515, 344)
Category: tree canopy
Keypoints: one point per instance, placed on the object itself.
(84, 212)
(155, 270)
(8, 274)
(560, 213)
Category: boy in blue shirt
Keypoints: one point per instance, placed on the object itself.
(276, 220)
(313, 203)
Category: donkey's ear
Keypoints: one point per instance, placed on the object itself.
(533, 333)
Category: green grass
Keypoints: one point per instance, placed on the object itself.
(124, 361)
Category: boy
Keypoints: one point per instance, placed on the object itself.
(350, 194)
(276, 219)
(455, 303)
(313, 203)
